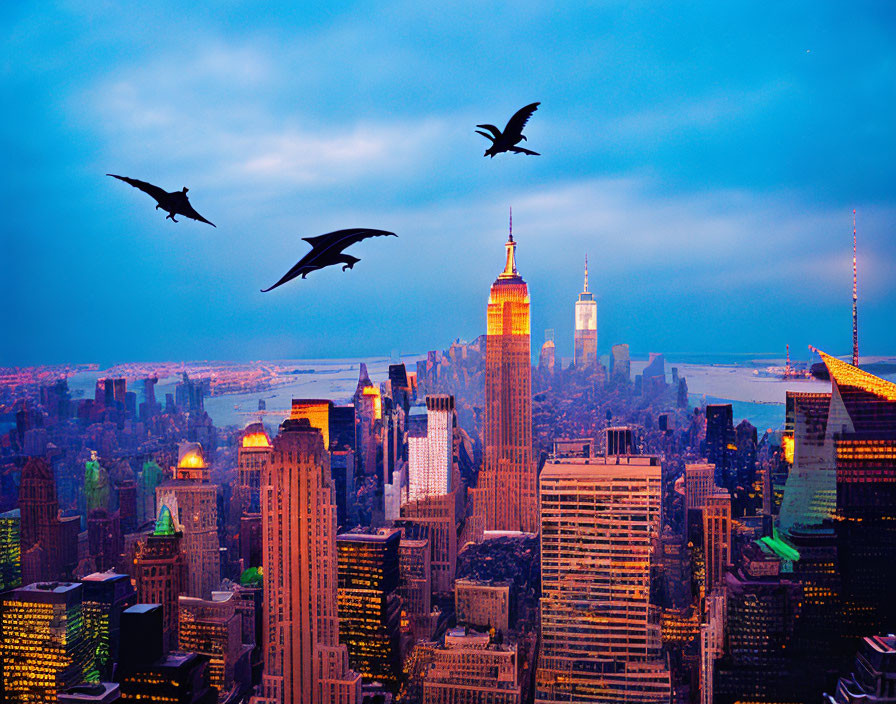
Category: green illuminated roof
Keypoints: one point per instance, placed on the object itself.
(780, 548)
(251, 577)
(164, 523)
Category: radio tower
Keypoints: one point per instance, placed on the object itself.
(855, 297)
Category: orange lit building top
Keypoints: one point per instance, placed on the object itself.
(317, 411)
(377, 400)
(845, 374)
(191, 462)
(255, 438)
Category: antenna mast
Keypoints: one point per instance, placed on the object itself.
(855, 297)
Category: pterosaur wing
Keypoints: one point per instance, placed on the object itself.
(188, 211)
(516, 123)
(491, 128)
(340, 239)
(157, 193)
(304, 266)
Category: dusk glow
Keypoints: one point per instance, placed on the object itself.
(293, 412)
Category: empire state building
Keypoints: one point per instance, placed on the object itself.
(507, 497)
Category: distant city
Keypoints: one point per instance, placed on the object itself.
(462, 526)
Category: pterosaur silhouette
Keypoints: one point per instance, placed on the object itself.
(174, 203)
(512, 135)
(326, 250)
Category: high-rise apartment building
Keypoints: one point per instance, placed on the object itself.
(506, 497)
(369, 605)
(431, 457)
(601, 639)
(304, 663)
(193, 504)
(585, 353)
(42, 646)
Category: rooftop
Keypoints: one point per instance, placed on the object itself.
(109, 576)
(845, 374)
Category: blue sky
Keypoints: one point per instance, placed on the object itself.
(706, 156)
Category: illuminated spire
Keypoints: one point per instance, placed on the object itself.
(586, 275)
(510, 271)
(855, 297)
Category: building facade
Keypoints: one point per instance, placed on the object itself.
(161, 572)
(43, 647)
(253, 454)
(601, 637)
(369, 605)
(431, 457)
(304, 663)
(193, 503)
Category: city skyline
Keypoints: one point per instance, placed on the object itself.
(375, 484)
(693, 154)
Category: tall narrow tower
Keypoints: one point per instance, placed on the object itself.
(855, 297)
(586, 326)
(304, 663)
(507, 500)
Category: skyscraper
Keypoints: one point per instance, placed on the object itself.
(193, 504)
(438, 514)
(620, 363)
(720, 441)
(39, 508)
(601, 639)
(213, 628)
(548, 356)
(369, 605)
(304, 663)
(253, 454)
(42, 647)
(105, 596)
(506, 496)
(431, 458)
(10, 550)
(585, 353)
(160, 568)
(717, 539)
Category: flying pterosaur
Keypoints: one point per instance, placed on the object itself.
(512, 135)
(174, 203)
(326, 250)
